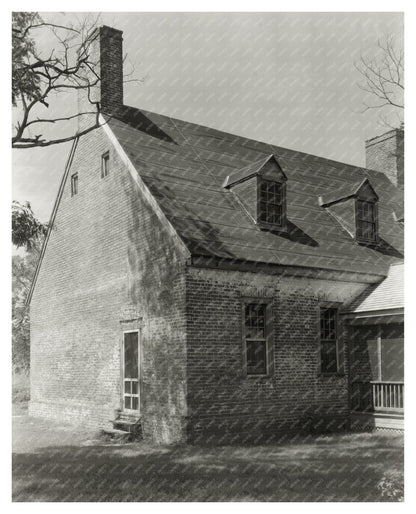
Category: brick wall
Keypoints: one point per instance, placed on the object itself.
(225, 405)
(106, 80)
(385, 153)
(108, 251)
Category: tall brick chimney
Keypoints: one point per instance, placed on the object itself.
(385, 153)
(107, 52)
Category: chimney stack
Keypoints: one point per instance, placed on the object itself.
(107, 52)
(385, 154)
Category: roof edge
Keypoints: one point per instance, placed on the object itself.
(143, 187)
(223, 263)
(52, 220)
(391, 311)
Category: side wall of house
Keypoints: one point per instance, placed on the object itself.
(223, 403)
(111, 264)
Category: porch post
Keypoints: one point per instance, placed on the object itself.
(379, 354)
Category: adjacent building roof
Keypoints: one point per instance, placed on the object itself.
(387, 295)
(185, 166)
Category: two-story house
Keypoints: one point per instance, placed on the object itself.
(205, 283)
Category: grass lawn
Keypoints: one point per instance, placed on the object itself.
(53, 462)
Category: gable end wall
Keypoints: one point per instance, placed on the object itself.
(108, 254)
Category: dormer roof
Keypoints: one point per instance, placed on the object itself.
(361, 188)
(255, 169)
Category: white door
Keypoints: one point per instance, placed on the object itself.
(131, 372)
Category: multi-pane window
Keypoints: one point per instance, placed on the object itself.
(328, 340)
(255, 338)
(271, 202)
(74, 184)
(366, 221)
(105, 164)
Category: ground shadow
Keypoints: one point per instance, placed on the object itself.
(349, 465)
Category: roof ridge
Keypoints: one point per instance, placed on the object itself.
(273, 146)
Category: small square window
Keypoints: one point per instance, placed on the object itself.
(105, 164)
(74, 184)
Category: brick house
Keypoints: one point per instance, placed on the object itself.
(198, 280)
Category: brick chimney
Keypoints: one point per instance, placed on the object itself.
(107, 52)
(385, 153)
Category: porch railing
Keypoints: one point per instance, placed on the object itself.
(388, 395)
(377, 396)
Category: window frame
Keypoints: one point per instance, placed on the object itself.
(269, 335)
(105, 164)
(74, 184)
(123, 379)
(339, 344)
(266, 224)
(359, 220)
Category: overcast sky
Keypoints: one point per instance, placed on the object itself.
(284, 78)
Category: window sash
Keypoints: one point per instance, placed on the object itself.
(329, 356)
(271, 202)
(328, 340)
(256, 356)
(366, 220)
(256, 338)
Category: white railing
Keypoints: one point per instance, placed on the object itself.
(388, 395)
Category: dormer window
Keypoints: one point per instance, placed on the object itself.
(366, 221)
(354, 207)
(260, 188)
(270, 207)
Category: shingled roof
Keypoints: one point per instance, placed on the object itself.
(185, 166)
(385, 296)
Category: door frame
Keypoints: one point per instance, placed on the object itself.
(139, 369)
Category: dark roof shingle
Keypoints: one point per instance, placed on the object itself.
(185, 165)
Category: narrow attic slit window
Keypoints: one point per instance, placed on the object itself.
(271, 202)
(105, 164)
(74, 184)
(328, 340)
(255, 339)
(366, 221)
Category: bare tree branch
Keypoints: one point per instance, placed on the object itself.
(67, 66)
(383, 77)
